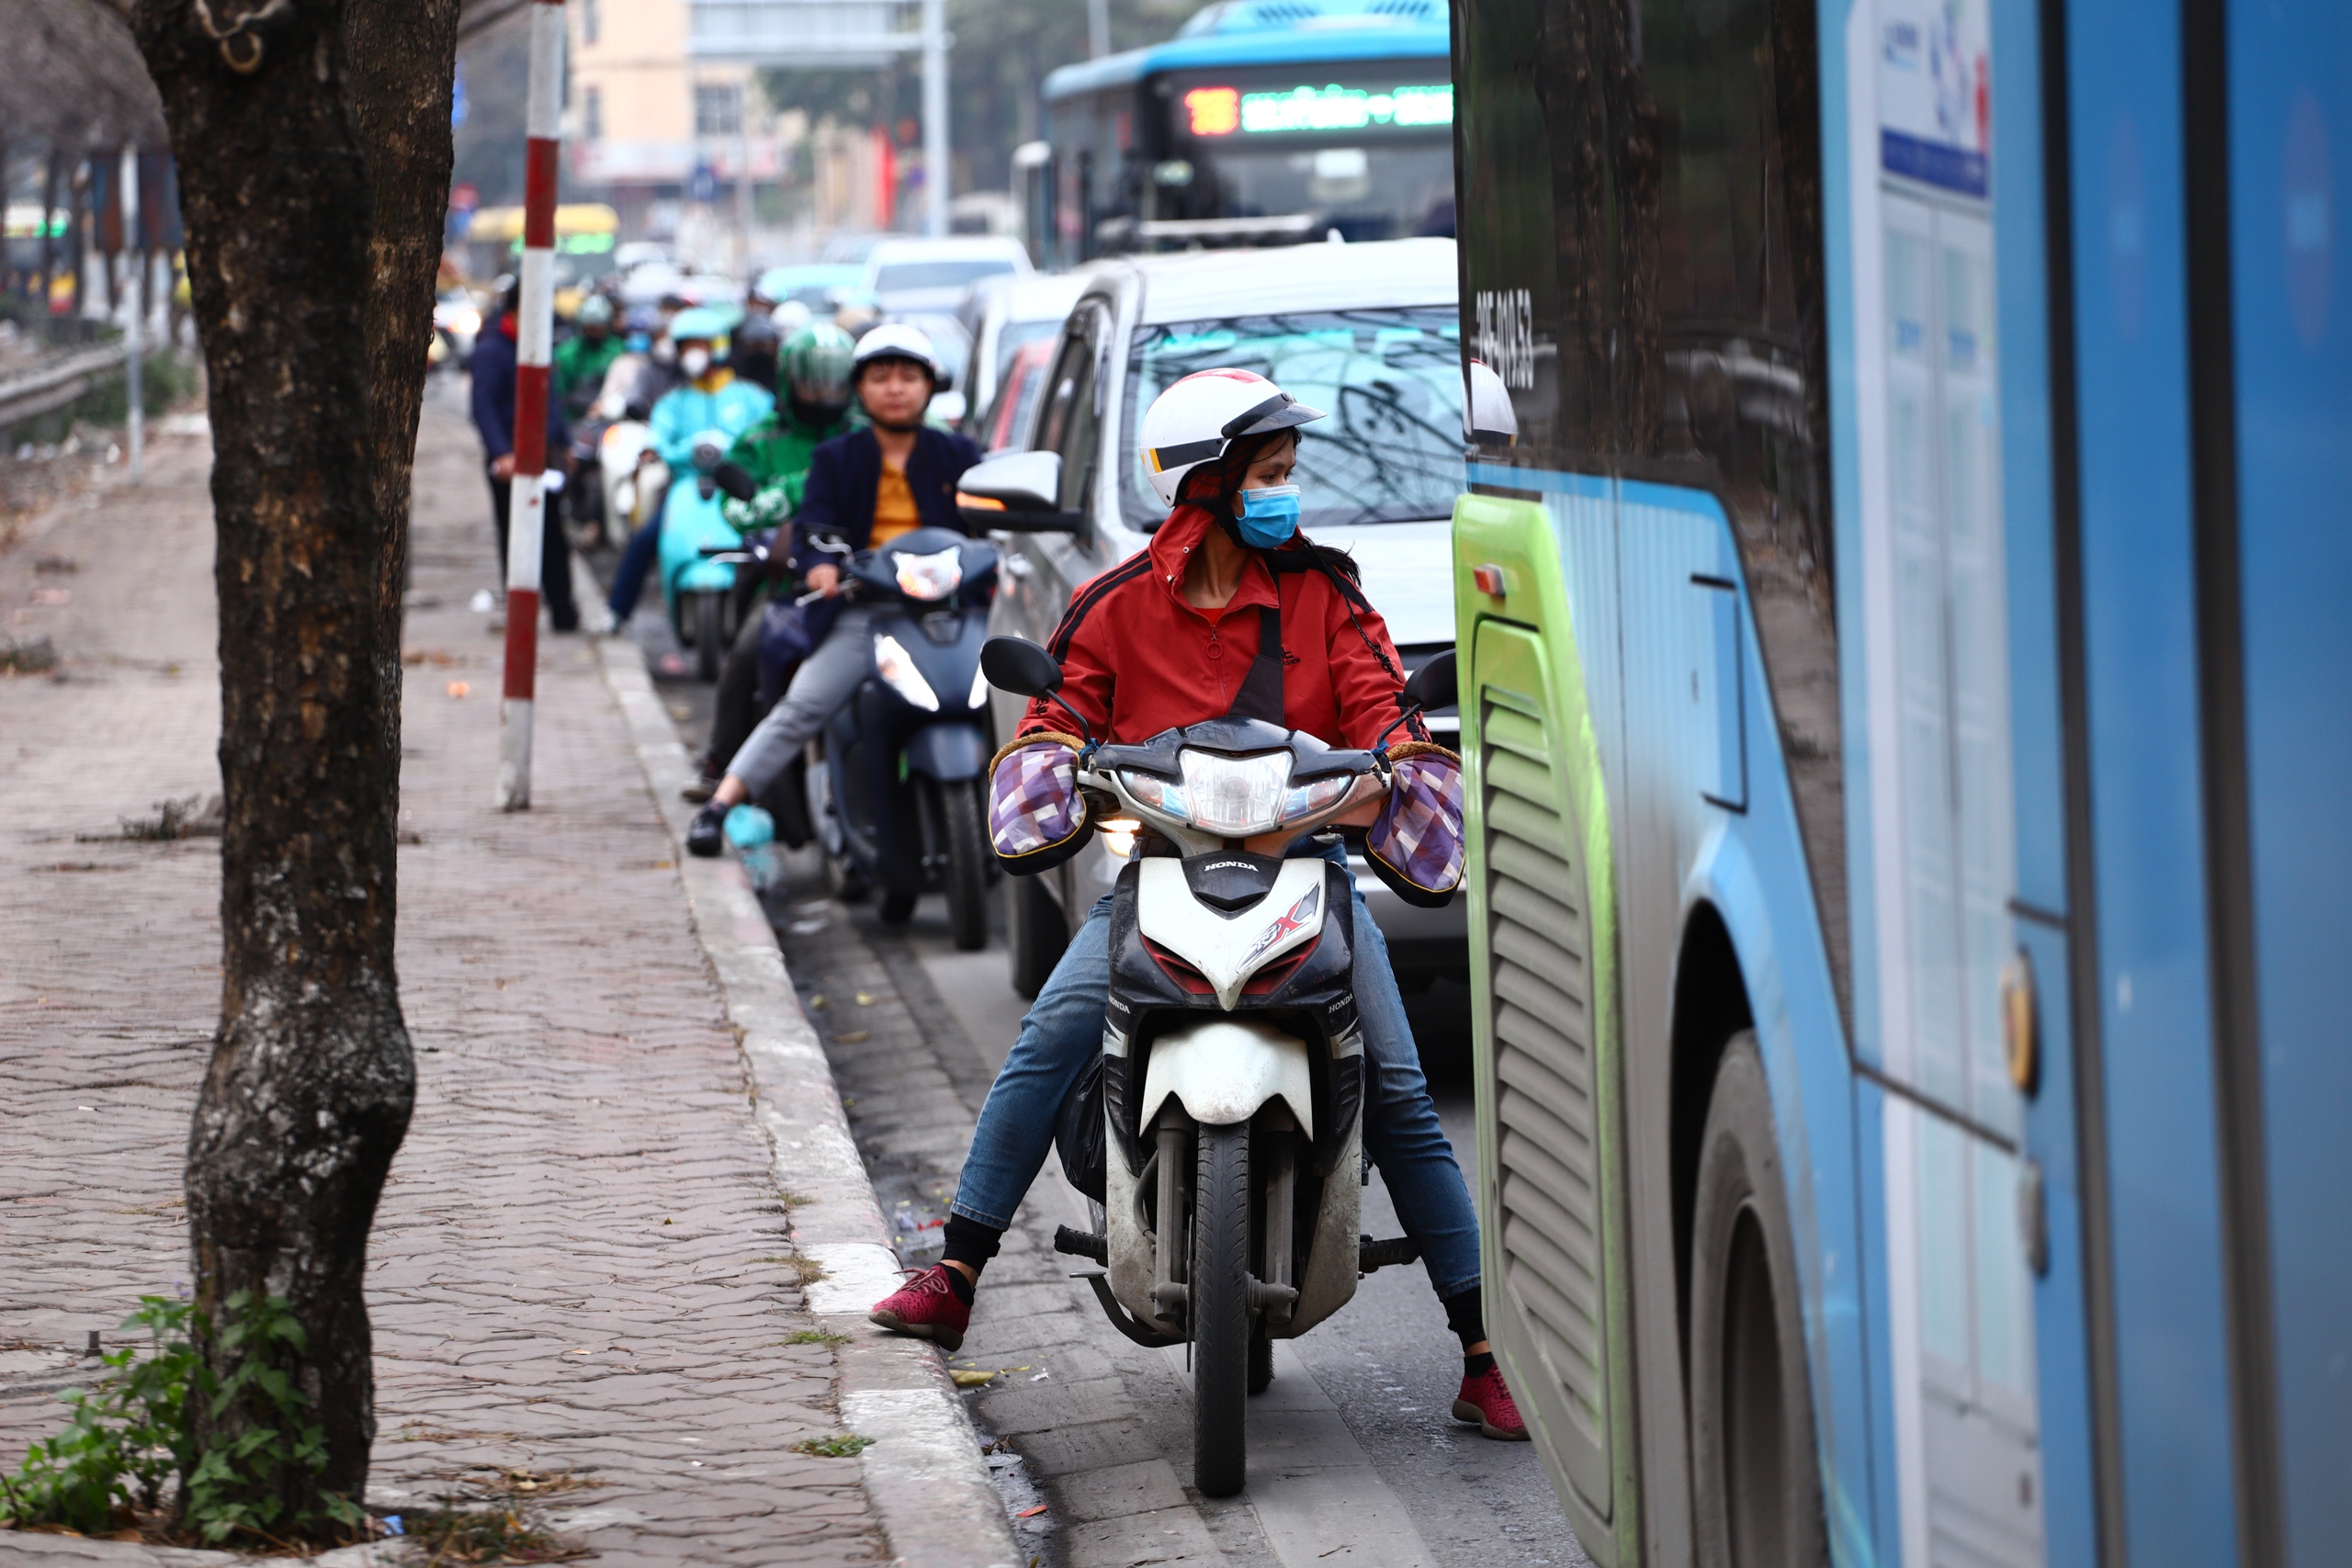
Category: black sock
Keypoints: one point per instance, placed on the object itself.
(972, 1244)
(1479, 1365)
(1465, 1314)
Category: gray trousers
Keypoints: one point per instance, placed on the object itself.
(826, 679)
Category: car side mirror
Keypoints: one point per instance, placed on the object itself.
(1017, 665)
(1017, 491)
(1432, 685)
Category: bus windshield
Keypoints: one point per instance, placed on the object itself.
(1390, 380)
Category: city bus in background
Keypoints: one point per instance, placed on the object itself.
(586, 234)
(1907, 690)
(1261, 122)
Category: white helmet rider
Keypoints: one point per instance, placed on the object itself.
(1194, 421)
(899, 340)
(1488, 417)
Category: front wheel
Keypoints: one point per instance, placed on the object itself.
(967, 865)
(1755, 1480)
(710, 635)
(1219, 1299)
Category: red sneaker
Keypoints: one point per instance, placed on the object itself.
(927, 1307)
(1487, 1402)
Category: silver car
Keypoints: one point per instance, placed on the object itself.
(1368, 332)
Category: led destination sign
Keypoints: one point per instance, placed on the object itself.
(1221, 111)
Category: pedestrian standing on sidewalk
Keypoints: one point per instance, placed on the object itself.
(494, 360)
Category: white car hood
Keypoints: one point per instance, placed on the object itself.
(1408, 575)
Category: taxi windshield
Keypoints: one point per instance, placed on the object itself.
(1390, 380)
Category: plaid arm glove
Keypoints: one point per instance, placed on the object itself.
(1415, 844)
(1037, 816)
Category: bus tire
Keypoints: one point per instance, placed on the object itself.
(1756, 1474)
(1219, 1301)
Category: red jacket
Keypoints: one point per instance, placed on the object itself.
(1136, 659)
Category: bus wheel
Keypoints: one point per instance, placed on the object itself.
(1756, 1476)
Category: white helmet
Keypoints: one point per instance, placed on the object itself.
(898, 340)
(1488, 419)
(1192, 421)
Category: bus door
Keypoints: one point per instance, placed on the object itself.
(1937, 243)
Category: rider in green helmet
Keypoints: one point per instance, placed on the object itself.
(813, 373)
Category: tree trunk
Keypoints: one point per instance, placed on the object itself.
(300, 176)
(403, 60)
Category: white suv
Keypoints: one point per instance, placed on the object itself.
(1370, 334)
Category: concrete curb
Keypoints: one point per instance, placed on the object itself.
(924, 1472)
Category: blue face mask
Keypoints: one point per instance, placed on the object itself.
(1269, 516)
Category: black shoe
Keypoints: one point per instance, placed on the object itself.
(709, 832)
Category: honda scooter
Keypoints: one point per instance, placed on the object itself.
(896, 780)
(1219, 1135)
(697, 588)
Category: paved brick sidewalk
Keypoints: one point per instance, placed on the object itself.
(579, 1266)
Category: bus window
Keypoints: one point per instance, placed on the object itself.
(1683, 199)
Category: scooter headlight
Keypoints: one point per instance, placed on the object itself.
(930, 577)
(897, 668)
(1234, 796)
(979, 696)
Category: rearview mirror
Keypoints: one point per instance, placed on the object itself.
(736, 481)
(1019, 492)
(1016, 665)
(1432, 685)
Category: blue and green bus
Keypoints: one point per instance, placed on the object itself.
(1261, 122)
(1907, 692)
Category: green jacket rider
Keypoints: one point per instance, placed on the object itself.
(581, 360)
(814, 372)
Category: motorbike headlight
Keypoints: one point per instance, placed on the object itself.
(1313, 797)
(1235, 796)
(1119, 836)
(898, 667)
(930, 577)
(980, 690)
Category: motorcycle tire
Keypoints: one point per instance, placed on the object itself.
(1034, 934)
(1218, 1298)
(710, 635)
(898, 908)
(967, 866)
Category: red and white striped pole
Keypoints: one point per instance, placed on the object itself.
(535, 338)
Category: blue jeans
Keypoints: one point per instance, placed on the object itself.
(1400, 1125)
(629, 578)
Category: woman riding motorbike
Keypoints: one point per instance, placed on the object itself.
(864, 489)
(709, 399)
(1229, 610)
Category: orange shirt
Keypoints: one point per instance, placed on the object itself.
(894, 506)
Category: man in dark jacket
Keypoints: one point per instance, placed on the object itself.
(864, 488)
(494, 408)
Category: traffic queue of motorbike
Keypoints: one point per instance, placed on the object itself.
(891, 786)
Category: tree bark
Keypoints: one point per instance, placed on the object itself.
(301, 129)
(403, 60)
